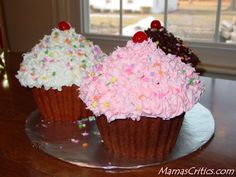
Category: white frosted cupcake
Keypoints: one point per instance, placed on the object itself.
(54, 68)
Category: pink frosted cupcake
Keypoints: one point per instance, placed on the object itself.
(140, 97)
(54, 68)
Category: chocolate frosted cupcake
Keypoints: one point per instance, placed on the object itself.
(54, 68)
(171, 44)
(139, 97)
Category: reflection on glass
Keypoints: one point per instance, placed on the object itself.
(5, 81)
(104, 16)
(137, 15)
(228, 22)
(2, 59)
(193, 19)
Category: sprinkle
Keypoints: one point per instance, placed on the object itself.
(132, 65)
(74, 46)
(190, 82)
(96, 97)
(84, 119)
(85, 133)
(106, 104)
(56, 33)
(129, 71)
(96, 133)
(139, 108)
(51, 54)
(22, 69)
(79, 53)
(82, 126)
(91, 118)
(74, 140)
(152, 73)
(54, 73)
(113, 79)
(79, 122)
(183, 71)
(69, 53)
(44, 78)
(83, 66)
(91, 74)
(85, 145)
(160, 72)
(36, 78)
(46, 52)
(141, 97)
(94, 104)
(44, 125)
(156, 64)
(68, 41)
(145, 79)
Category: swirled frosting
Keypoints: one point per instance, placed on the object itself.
(59, 59)
(141, 80)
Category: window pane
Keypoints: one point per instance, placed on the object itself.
(228, 22)
(193, 19)
(104, 16)
(137, 14)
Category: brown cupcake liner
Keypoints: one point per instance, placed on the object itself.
(147, 138)
(60, 106)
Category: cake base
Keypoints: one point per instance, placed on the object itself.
(60, 106)
(146, 138)
(79, 143)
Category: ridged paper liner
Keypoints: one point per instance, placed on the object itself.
(60, 106)
(147, 138)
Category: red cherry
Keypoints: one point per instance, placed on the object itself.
(139, 37)
(156, 24)
(63, 25)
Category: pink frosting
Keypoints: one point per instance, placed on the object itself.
(141, 80)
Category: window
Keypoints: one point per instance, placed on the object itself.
(193, 20)
(207, 26)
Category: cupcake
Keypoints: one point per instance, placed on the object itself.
(140, 97)
(171, 44)
(54, 69)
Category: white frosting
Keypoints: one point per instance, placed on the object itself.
(60, 59)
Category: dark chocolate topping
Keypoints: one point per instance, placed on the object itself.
(171, 44)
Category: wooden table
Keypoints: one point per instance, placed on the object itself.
(19, 159)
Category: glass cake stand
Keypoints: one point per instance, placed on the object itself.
(80, 143)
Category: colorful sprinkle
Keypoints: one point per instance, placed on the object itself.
(85, 145)
(96, 133)
(94, 104)
(113, 79)
(91, 118)
(85, 133)
(54, 73)
(82, 126)
(73, 140)
(139, 108)
(106, 104)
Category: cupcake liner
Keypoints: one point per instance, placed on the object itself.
(147, 138)
(60, 106)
